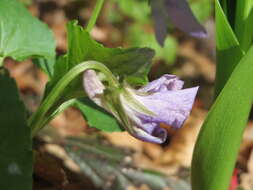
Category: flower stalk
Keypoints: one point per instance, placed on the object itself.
(37, 120)
(94, 15)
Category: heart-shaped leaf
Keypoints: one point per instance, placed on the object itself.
(15, 138)
(131, 63)
(22, 35)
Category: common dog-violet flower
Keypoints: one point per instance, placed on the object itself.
(179, 14)
(142, 111)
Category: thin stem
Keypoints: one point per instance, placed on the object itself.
(1, 61)
(94, 15)
(59, 110)
(37, 120)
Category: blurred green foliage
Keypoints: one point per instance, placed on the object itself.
(26, 2)
(139, 30)
(137, 37)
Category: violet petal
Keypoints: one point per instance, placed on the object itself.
(182, 17)
(160, 20)
(93, 86)
(158, 135)
(163, 84)
(143, 130)
(171, 108)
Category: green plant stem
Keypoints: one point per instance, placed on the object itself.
(59, 110)
(37, 120)
(1, 61)
(94, 15)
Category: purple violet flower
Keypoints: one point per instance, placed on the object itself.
(142, 111)
(179, 14)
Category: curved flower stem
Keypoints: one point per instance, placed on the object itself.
(94, 15)
(37, 120)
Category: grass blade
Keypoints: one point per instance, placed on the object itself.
(243, 23)
(219, 140)
(229, 51)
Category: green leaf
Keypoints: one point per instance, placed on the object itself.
(96, 116)
(224, 6)
(219, 139)
(229, 8)
(47, 65)
(22, 35)
(132, 63)
(15, 138)
(243, 23)
(110, 168)
(229, 51)
(60, 68)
